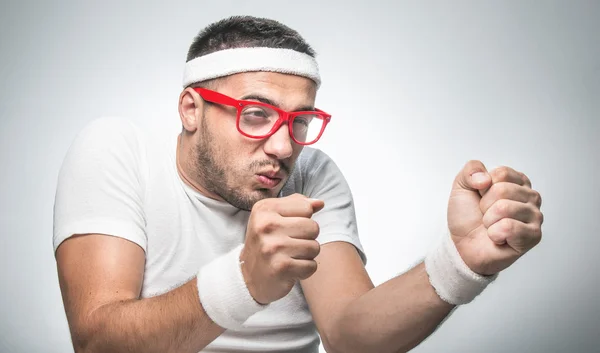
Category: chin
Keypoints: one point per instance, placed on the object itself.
(248, 198)
(267, 193)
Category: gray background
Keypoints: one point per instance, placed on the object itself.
(416, 90)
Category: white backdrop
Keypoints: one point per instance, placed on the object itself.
(416, 89)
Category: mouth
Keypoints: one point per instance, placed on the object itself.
(270, 179)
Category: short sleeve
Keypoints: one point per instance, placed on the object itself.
(100, 184)
(322, 179)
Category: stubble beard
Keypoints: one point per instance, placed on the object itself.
(217, 179)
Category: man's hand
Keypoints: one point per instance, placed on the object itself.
(494, 217)
(280, 246)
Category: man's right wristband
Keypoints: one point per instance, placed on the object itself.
(223, 292)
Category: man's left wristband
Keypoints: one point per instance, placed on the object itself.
(223, 292)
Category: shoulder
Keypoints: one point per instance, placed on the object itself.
(115, 135)
(315, 163)
(105, 146)
(110, 129)
(311, 160)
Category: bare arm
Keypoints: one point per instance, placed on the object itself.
(101, 278)
(353, 316)
(494, 218)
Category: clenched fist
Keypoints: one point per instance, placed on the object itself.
(280, 246)
(494, 217)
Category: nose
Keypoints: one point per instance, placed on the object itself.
(279, 145)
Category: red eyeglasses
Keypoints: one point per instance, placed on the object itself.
(260, 120)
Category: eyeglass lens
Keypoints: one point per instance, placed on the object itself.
(256, 120)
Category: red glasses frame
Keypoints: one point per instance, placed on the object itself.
(284, 116)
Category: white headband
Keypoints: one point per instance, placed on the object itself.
(231, 61)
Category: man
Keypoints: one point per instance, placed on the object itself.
(239, 238)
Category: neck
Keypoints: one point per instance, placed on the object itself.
(183, 149)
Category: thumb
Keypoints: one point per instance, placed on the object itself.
(316, 204)
(474, 177)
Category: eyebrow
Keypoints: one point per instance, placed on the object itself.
(266, 100)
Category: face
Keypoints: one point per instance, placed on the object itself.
(226, 165)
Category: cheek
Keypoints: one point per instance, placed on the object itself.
(297, 150)
(227, 140)
(238, 152)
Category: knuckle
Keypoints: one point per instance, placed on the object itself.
(265, 225)
(536, 236)
(313, 267)
(310, 268)
(541, 218)
(498, 191)
(315, 248)
(502, 173)
(306, 209)
(281, 266)
(271, 248)
(503, 207)
(536, 198)
(260, 205)
(297, 197)
(494, 233)
(538, 217)
(506, 226)
(314, 228)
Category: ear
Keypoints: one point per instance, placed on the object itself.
(190, 109)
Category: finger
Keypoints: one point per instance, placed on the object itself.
(299, 227)
(302, 269)
(293, 206)
(526, 180)
(316, 204)
(518, 235)
(524, 212)
(510, 191)
(302, 249)
(473, 177)
(507, 175)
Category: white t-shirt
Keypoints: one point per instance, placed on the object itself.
(119, 181)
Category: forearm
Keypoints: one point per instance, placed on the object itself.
(393, 317)
(172, 322)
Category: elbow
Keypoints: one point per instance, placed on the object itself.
(86, 335)
(329, 346)
(340, 346)
(332, 346)
(341, 338)
(81, 343)
(93, 342)
(83, 340)
(334, 340)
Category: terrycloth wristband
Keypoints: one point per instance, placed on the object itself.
(451, 278)
(223, 292)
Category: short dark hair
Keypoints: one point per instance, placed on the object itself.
(247, 31)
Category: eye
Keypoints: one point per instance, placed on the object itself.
(255, 112)
(303, 120)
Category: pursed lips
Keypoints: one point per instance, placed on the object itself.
(273, 174)
(270, 178)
